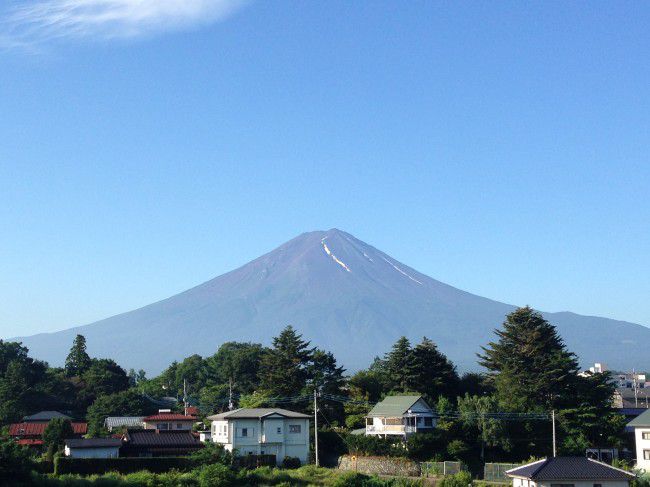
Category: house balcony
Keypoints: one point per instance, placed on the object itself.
(390, 429)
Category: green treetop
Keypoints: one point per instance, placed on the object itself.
(529, 364)
(284, 368)
(77, 361)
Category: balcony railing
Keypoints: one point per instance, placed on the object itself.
(390, 429)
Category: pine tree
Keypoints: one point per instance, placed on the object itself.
(430, 372)
(529, 365)
(284, 367)
(398, 364)
(77, 361)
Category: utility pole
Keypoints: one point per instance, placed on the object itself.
(553, 420)
(185, 394)
(231, 406)
(316, 427)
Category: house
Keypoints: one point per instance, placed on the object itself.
(118, 422)
(165, 420)
(569, 472)
(641, 426)
(158, 443)
(263, 431)
(93, 448)
(30, 431)
(400, 416)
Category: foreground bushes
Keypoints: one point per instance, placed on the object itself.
(96, 466)
(223, 476)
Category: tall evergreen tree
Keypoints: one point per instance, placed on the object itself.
(529, 365)
(284, 367)
(399, 364)
(77, 361)
(430, 373)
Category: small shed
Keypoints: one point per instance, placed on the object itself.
(93, 447)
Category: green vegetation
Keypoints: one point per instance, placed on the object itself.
(528, 371)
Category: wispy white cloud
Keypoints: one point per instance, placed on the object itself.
(31, 22)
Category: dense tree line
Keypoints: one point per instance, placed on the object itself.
(528, 369)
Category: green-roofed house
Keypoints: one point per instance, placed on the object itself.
(400, 416)
(641, 425)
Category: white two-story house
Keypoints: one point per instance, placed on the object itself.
(263, 431)
(641, 425)
(400, 416)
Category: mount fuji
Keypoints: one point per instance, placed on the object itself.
(342, 294)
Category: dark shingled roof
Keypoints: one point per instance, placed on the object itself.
(94, 443)
(569, 468)
(154, 438)
(256, 413)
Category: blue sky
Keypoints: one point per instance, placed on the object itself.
(499, 147)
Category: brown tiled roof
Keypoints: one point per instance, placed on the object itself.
(29, 442)
(37, 429)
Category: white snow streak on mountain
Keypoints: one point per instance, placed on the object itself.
(401, 271)
(328, 252)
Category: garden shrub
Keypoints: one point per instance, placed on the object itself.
(217, 475)
(460, 479)
(124, 465)
(291, 463)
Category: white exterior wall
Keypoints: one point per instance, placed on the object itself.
(272, 436)
(641, 446)
(108, 452)
(519, 482)
(171, 425)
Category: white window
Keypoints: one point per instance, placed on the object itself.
(646, 454)
(294, 428)
(645, 435)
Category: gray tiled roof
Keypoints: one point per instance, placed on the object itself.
(93, 442)
(256, 413)
(45, 416)
(119, 421)
(569, 468)
(641, 420)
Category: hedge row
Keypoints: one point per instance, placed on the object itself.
(91, 466)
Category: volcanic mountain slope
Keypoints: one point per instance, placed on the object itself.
(341, 293)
